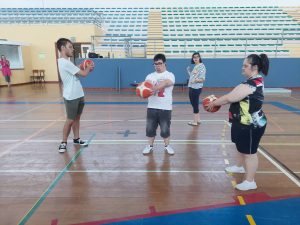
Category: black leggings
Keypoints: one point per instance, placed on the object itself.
(194, 95)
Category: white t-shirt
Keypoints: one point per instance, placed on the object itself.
(68, 74)
(161, 99)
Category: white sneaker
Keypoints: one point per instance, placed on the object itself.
(147, 149)
(169, 150)
(235, 169)
(246, 185)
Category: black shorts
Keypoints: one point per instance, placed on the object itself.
(159, 117)
(246, 138)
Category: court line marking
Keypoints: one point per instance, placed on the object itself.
(226, 161)
(276, 124)
(281, 144)
(54, 222)
(144, 140)
(129, 120)
(122, 141)
(23, 113)
(129, 171)
(241, 200)
(294, 98)
(125, 142)
(250, 220)
(26, 139)
(28, 215)
(276, 164)
(112, 171)
(280, 167)
(10, 140)
(233, 183)
(249, 217)
(217, 121)
(286, 107)
(285, 134)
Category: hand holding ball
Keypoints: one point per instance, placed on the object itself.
(144, 89)
(87, 63)
(206, 101)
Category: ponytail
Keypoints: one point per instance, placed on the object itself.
(261, 61)
(264, 64)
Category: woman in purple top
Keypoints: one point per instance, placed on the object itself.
(5, 69)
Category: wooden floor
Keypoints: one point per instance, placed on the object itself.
(110, 181)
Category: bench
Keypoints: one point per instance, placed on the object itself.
(182, 85)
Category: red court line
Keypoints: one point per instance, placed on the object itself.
(152, 210)
(263, 197)
(54, 222)
(256, 197)
(149, 215)
(249, 198)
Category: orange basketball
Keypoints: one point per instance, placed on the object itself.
(207, 100)
(87, 62)
(144, 90)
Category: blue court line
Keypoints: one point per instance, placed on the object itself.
(278, 212)
(276, 104)
(52, 185)
(285, 107)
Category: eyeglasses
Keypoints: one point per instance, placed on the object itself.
(157, 64)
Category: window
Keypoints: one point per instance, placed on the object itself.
(13, 54)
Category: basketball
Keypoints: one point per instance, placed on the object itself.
(144, 90)
(207, 100)
(87, 62)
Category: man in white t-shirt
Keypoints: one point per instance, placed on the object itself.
(72, 92)
(159, 108)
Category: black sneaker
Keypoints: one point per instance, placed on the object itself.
(78, 141)
(62, 147)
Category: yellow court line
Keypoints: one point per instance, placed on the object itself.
(250, 220)
(233, 182)
(241, 200)
(249, 217)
